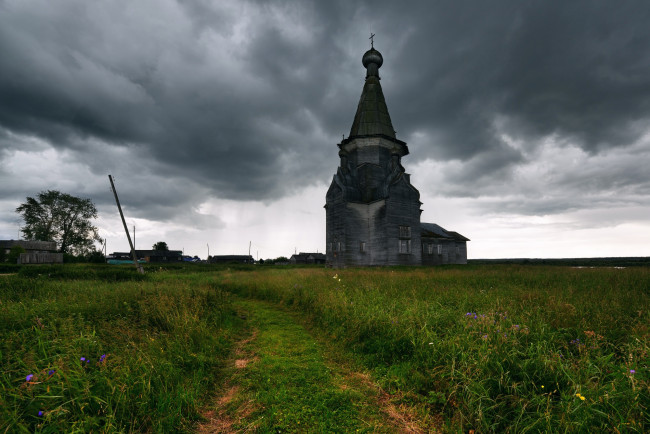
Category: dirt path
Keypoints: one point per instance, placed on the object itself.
(283, 379)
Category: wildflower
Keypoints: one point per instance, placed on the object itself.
(83, 359)
(542, 386)
(484, 337)
(336, 276)
(632, 371)
(40, 413)
(51, 372)
(582, 398)
(102, 358)
(29, 377)
(430, 343)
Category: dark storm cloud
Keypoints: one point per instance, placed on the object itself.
(248, 99)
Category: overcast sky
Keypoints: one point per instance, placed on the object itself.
(528, 122)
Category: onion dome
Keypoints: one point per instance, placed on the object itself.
(372, 61)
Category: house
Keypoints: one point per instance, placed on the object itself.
(372, 209)
(36, 252)
(308, 258)
(147, 256)
(226, 259)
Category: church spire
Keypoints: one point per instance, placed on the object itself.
(372, 116)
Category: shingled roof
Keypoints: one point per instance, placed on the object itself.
(372, 113)
(433, 230)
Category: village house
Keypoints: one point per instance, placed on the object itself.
(36, 252)
(146, 256)
(307, 258)
(228, 259)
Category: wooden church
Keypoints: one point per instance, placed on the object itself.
(372, 209)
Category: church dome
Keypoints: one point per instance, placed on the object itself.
(372, 56)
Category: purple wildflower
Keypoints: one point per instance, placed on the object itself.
(40, 413)
(83, 359)
(29, 377)
(632, 371)
(51, 372)
(485, 337)
(102, 358)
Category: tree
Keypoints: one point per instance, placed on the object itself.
(60, 217)
(14, 253)
(160, 245)
(96, 257)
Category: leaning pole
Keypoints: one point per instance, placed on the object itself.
(128, 235)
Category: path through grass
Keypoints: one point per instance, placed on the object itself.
(283, 379)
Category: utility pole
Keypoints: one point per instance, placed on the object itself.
(208, 258)
(133, 237)
(249, 248)
(119, 207)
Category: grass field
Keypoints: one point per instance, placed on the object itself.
(485, 347)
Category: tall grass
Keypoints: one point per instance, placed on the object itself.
(492, 348)
(103, 349)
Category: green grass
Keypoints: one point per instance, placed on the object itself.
(151, 346)
(543, 337)
(291, 383)
(485, 347)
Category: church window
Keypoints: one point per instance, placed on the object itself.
(362, 246)
(440, 249)
(405, 232)
(430, 246)
(405, 246)
(338, 246)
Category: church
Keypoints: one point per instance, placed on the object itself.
(372, 209)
